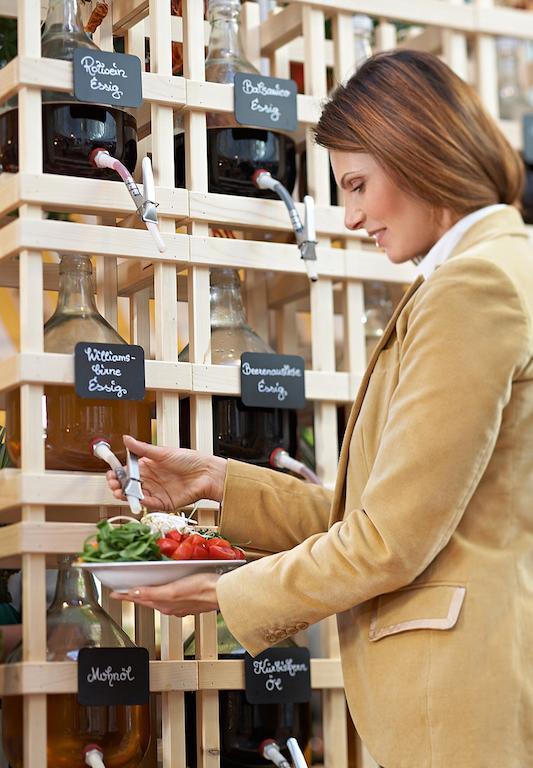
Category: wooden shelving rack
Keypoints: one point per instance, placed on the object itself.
(52, 512)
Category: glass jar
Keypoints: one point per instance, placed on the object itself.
(239, 432)
(71, 422)
(71, 129)
(234, 151)
(243, 726)
(74, 621)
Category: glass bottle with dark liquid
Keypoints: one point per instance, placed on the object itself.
(239, 432)
(234, 152)
(71, 422)
(243, 726)
(71, 129)
(75, 621)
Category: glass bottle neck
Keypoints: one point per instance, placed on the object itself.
(227, 309)
(74, 588)
(63, 30)
(76, 293)
(225, 45)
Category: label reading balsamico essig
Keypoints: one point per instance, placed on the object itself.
(265, 102)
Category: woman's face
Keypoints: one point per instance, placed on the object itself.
(402, 225)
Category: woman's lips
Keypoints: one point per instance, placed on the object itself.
(378, 236)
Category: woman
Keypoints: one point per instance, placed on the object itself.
(425, 550)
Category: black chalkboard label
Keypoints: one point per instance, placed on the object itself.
(279, 675)
(113, 676)
(266, 102)
(528, 138)
(272, 381)
(107, 78)
(109, 371)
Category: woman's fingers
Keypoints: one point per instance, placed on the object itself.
(190, 595)
(143, 449)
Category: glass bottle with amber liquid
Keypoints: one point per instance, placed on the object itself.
(71, 422)
(239, 432)
(75, 620)
(71, 129)
(235, 152)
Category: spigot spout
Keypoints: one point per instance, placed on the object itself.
(128, 476)
(145, 204)
(305, 233)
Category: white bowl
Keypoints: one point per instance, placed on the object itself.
(120, 577)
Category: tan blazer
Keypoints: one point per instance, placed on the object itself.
(425, 552)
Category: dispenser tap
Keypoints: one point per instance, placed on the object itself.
(93, 756)
(270, 750)
(280, 459)
(129, 476)
(145, 204)
(305, 233)
(296, 753)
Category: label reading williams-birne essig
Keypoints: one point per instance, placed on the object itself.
(109, 371)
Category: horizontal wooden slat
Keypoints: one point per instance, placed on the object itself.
(90, 239)
(61, 677)
(462, 18)
(70, 193)
(229, 675)
(54, 489)
(54, 74)
(53, 368)
(28, 537)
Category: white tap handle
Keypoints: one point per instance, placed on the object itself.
(296, 753)
(153, 229)
(309, 205)
(148, 180)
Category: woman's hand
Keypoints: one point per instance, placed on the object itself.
(190, 595)
(173, 477)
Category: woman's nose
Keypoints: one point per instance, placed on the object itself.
(353, 218)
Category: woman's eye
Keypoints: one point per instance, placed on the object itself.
(359, 187)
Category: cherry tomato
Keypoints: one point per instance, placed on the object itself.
(183, 551)
(167, 546)
(218, 552)
(196, 538)
(239, 552)
(175, 536)
(217, 541)
(200, 552)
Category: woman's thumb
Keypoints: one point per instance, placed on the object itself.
(142, 449)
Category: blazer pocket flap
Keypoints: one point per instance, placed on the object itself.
(426, 607)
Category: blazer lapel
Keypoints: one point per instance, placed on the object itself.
(340, 484)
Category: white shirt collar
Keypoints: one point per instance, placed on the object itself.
(446, 244)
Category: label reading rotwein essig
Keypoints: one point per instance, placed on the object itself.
(266, 102)
(278, 675)
(272, 381)
(109, 371)
(105, 77)
(113, 676)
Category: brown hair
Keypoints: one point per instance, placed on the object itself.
(427, 128)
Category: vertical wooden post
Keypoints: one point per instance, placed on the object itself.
(31, 340)
(207, 716)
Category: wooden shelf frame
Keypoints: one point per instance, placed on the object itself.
(128, 265)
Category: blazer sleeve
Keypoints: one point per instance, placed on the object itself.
(269, 511)
(466, 339)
